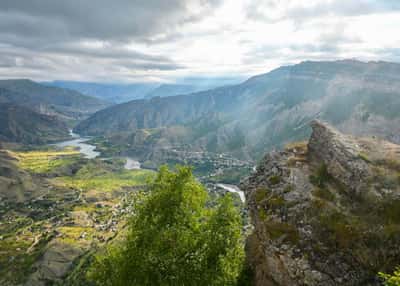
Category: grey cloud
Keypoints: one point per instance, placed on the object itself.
(146, 66)
(44, 35)
(260, 10)
(97, 19)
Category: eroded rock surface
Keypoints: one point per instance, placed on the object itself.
(325, 212)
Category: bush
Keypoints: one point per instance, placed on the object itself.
(261, 194)
(321, 176)
(323, 193)
(274, 180)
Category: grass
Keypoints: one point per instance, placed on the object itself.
(46, 161)
(108, 181)
(364, 157)
(261, 194)
(300, 146)
(277, 230)
(71, 234)
(323, 193)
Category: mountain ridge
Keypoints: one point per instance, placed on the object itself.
(65, 104)
(272, 108)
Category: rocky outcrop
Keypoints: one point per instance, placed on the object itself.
(56, 262)
(340, 154)
(325, 212)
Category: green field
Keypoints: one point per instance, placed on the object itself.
(41, 162)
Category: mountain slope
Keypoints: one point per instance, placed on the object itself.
(325, 212)
(65, 104)
(273, 108)
(20, 124)
(165, 90)
(116, 93)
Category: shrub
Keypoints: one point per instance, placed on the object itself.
(323, 193)
(320, 177)
(278, 229)
(364, 157)
(274, 180)
(261, 194)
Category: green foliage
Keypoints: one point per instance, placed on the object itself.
(281, 229)
(390, 211)
(46, 161)
(174, 239)
(262, 214)
(274, 180)
(275, 202)
(391, 279)
(364, 157)
(261, 194)
(323, 193)
(321, 176)
(99, 176)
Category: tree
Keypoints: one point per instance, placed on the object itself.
(391, 280)
(175, 239)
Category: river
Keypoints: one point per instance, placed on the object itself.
(233, 189)
(88, 150)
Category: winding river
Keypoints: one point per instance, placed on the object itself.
(88, 150)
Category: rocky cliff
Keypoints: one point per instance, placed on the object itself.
(326, 211)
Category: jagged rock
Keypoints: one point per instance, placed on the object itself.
(340, 154)
(325, 212)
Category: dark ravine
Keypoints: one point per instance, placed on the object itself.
(325, 212)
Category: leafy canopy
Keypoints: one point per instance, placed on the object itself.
(176, 238)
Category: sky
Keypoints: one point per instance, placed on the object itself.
(165, 40)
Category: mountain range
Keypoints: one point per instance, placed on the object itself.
(265, 111)
(124, 92)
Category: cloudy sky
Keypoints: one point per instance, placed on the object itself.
(162, 40)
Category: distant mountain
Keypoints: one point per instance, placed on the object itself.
(268, 110)
(191, 85)
(165, 90)
(115, 93)
(120, 93)
(20, 124)
(66, 104)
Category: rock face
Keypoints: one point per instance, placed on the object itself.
(56, 262)
(325, 212)
(341, 155)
